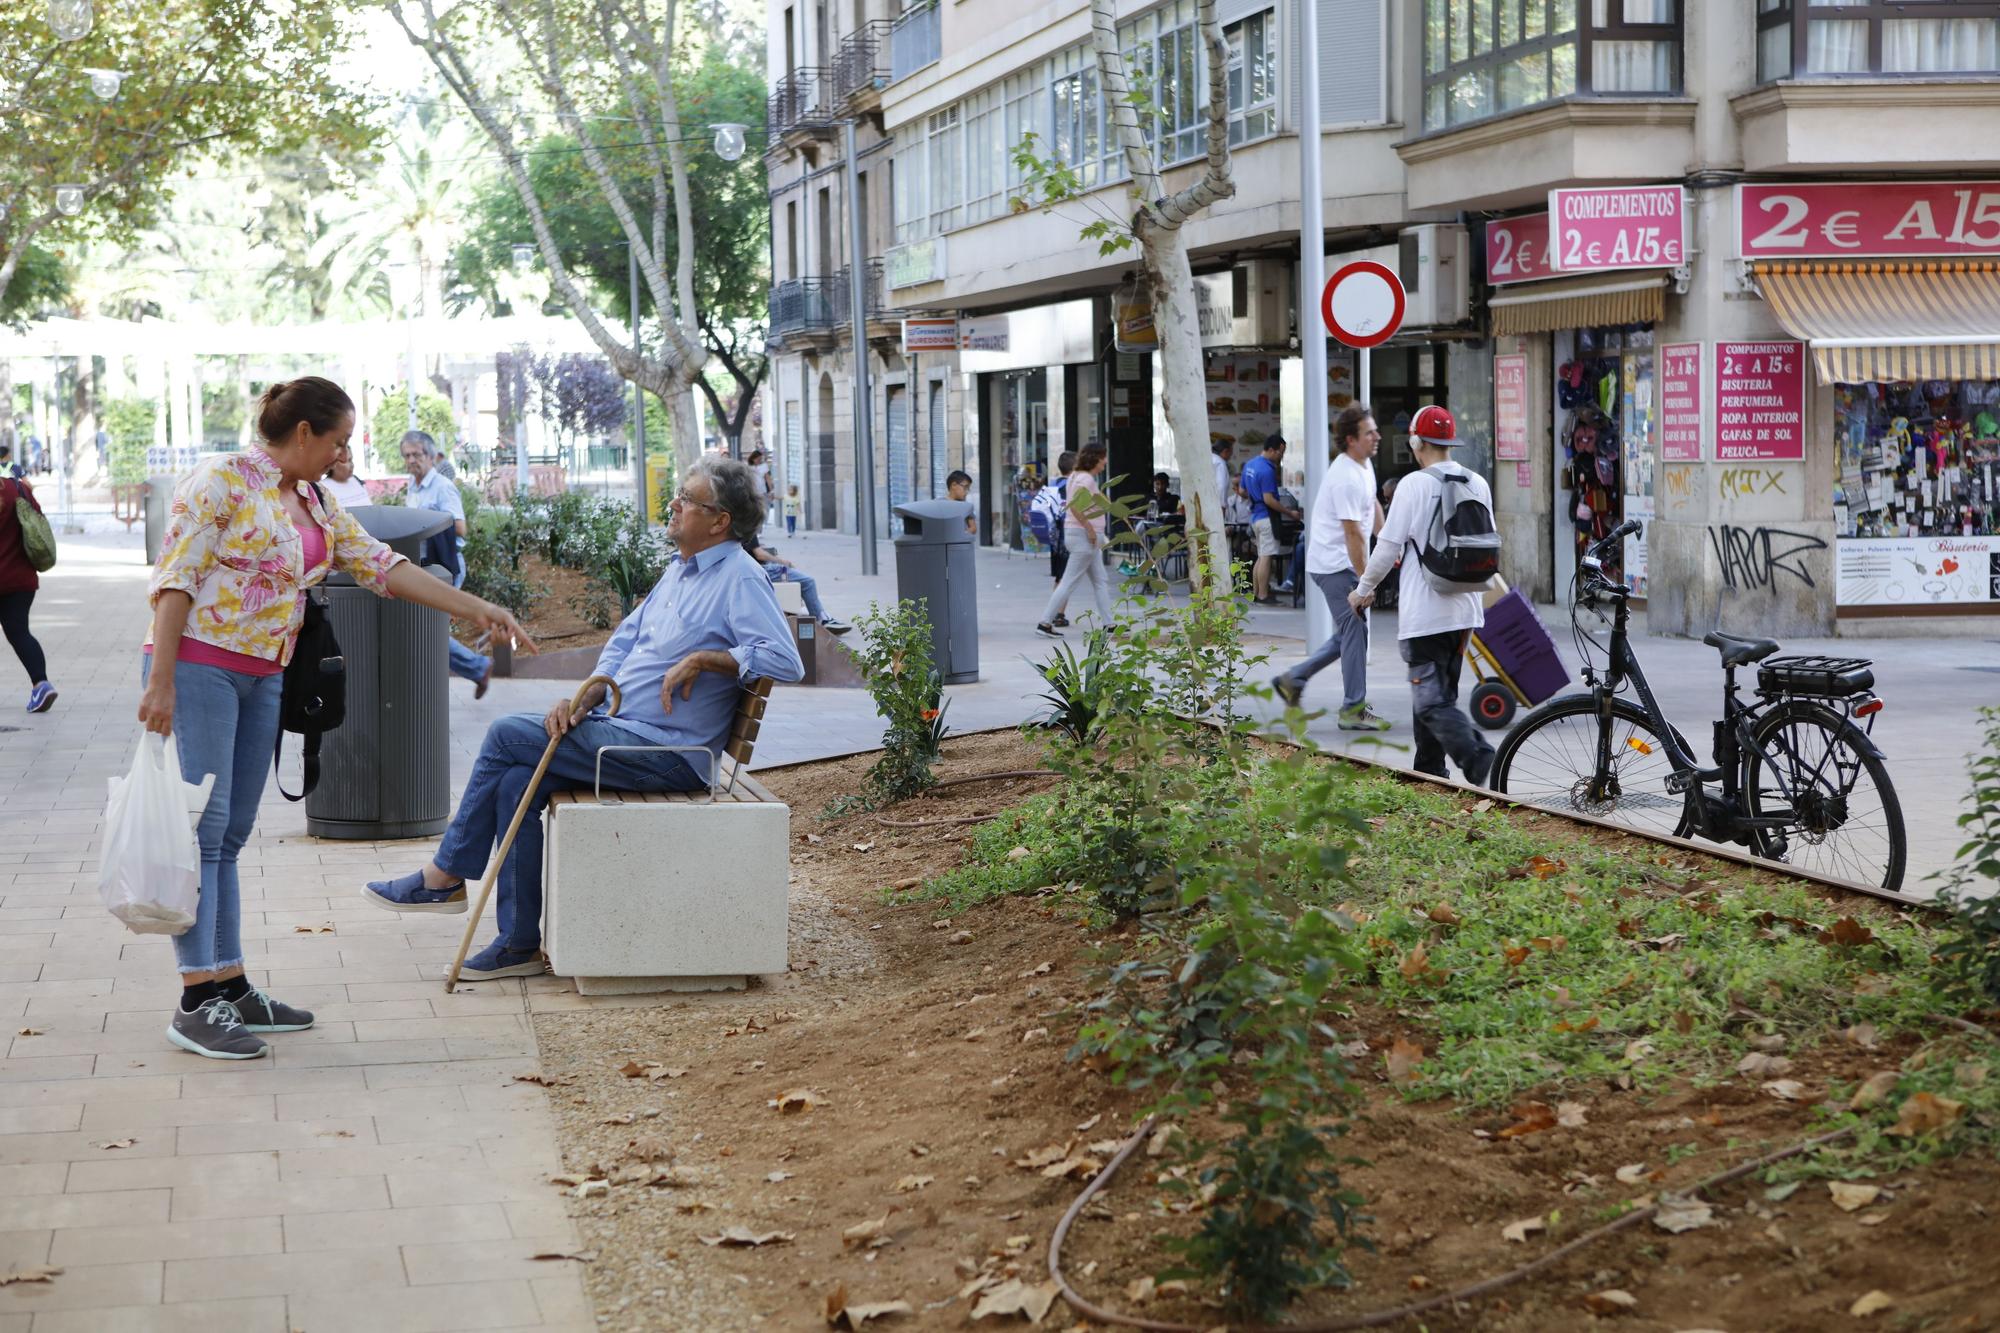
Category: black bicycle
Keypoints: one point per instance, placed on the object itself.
(1796, 777)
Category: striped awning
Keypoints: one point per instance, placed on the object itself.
(1908, 320)
(1601, 301)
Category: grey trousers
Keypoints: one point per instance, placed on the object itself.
(1441, 725)
(1348, 646)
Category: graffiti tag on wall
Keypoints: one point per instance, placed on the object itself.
(1753, 558)
(1748, 481)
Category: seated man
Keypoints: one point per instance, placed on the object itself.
(780, 570)
(709, 625)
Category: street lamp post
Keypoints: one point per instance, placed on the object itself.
(638, 395)
(857, 288)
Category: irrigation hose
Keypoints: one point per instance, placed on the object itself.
(1376, 1318)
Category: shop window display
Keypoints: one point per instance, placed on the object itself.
(1604, 402)
(1917, 459)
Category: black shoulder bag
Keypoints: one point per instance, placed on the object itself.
(315, 691)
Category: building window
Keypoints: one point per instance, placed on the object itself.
(1076, 114)
(946, 176)
(1800, 39)
(1486, 57)
(1253, 77)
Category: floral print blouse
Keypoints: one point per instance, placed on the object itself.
(231, 546)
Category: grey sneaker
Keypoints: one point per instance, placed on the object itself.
(215, 1030)
(261, 1013)
(1363, 718)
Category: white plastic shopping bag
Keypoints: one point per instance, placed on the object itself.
(150, 872)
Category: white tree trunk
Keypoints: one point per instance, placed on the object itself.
(684, 415)
(1185, 390)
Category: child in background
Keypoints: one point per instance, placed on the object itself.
(791, 511)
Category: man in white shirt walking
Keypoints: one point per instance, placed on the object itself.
(1344, 515)
(1431, 626)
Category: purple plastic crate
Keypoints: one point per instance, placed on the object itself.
(1513, 634)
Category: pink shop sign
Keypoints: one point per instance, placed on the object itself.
(1847, 219)
(1517, 249)
(1680, 403)
(1760, 401)
(1618, 227)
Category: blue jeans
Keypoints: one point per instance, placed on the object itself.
(225, 723)
(808, 587)
(466, 664)
(500, 775)
(1348, 646)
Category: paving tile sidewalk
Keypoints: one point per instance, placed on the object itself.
(382, 1171)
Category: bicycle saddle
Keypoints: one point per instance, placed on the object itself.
(1736, 651)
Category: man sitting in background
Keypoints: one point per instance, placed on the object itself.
(430, 489)
(780, 570)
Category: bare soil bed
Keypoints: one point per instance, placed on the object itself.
(870, 1109)
(554, 621)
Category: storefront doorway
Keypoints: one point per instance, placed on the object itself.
(1017, 459)
(1605, 446)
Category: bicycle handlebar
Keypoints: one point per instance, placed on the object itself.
(1629, 528)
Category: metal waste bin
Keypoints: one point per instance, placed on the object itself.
(934, 562)
(158, 496)
(385, 771)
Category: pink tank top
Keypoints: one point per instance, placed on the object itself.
(312, 540)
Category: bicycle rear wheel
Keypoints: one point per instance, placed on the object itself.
(1550, 759)
(1815, 769)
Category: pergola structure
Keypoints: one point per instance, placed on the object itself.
(168, 361)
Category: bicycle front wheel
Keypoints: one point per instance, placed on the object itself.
(1815, 770)
(1550, 759)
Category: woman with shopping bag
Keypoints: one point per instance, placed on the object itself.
(246, 536)
(18, 584)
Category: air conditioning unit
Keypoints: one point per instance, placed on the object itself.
(1434, 262)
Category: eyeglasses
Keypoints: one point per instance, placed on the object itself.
(683, 498)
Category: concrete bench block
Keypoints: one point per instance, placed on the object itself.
(666, 895)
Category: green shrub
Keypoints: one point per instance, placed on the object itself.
(895, 661)
(392, 419)
(1972, 886)
(129, 422)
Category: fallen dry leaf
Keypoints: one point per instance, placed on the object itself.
(1878, 1087)
(1530, 1118)
(1079, 1168)
(581, 1256)
(794, 1102)
(1571, 1115)
(650, 1069)
(115, 1144)
(622, 1118)
(1041, 971)
(1969, 1073)
(325, 929)
(542, 1080)
(1784, 1089)
(1519, 1232)
(864, 846)
(743, 1236)
(813, 838)
(1611, 1301)
(1680, 1212)
(1015, 1297)
(649, 1148)
(1847, 933)
(1538, 867)
(1634, 1174)
(1402, 1058)
(1862, 1035)
(1017, 853)
(1139, 1290)
(959, 937)
(1037, 1158)
(1871, 1219)
(29, 1032)
(869, 1234)
(1635, 1051)
(1873, 1303)
(1090, 1124)
(1926, 1113)
(592, 1189)
(33, 1273)
(1482, 806)
(1445, 915)
(1849, 1197)
(841, 1314)
(910, 1184)
(1758, 1065)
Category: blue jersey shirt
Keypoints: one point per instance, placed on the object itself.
(719, 600)
(1259, 476)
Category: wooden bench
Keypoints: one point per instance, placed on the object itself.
(671, 891)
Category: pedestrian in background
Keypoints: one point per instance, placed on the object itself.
(958, 486)
(343, 485)
(1260, 482)
(1431, 626)
(429, 489)
(247, 535)
(1344, 516)
(1084, 535)
(18, 584)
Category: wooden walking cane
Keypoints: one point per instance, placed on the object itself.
(576, 712)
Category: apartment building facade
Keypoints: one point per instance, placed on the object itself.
(1731, 267)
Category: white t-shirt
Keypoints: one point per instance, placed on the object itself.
(1346, 494)
(1420, 608)
(351, 493)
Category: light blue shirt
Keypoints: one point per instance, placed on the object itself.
(719, 600)
(441, 496)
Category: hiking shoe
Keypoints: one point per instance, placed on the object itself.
(261, 1013)
(497, 960)
(1288, 690)
(1363, 718)
(1048, 631)
(215, 1030)
(1060, 622)
(408, 894)
(42, 698)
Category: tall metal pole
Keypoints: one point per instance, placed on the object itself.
(1312, 279)
(638, 396)
(857, 288)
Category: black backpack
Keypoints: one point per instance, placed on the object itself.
(315, 692)
(1461, 551)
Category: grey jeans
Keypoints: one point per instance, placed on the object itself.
(1441, 725)
(1348, 646)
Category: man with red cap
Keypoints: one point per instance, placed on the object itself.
(1432, 623)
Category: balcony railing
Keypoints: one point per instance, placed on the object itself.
(862, 64)
(871, 293)
(804, 305)
(915, 41)
(801, 101)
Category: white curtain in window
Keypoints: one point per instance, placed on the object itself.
(1649, 11)
(1941, 46)
(1631, 67)
(1836, 46)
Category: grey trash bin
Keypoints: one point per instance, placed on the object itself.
(385, 772)
(934, 562)
(159, 494)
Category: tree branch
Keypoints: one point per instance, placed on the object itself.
(1217, 181)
